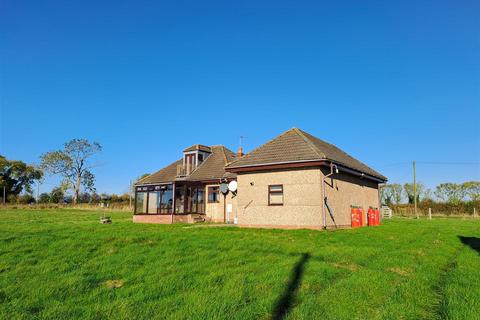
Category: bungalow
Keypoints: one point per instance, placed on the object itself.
(293, 181)
(187, 190)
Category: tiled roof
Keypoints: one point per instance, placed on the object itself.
(214, 165)
(200, 147)
(212, 168)
(167, 174)
(296, 145)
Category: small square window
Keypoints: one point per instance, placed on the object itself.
(275, 195)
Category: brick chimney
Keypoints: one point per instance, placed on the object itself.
(240, 152)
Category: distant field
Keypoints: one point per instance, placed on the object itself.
(63, 264)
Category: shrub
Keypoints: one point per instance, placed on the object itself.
(44, 198)
(25, 199)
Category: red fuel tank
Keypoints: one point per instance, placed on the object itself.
(356, 219)
(371, 217)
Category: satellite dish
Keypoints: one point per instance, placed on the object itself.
(224, 188)
(232, 186)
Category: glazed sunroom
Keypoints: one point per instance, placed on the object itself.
(185, 186)
(161, 199)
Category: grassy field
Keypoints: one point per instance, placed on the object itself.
(63, 264)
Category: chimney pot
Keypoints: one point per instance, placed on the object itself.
(240, 152)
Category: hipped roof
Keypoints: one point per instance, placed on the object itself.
(295, 146)
(212, 168)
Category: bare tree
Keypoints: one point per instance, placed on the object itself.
(73, 164)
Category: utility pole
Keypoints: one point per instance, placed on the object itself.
(415, 188)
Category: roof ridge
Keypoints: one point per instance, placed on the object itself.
(224, 155)
(274, 138)
(310, 143)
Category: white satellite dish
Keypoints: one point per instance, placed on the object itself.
(232, 186)
(224, 188)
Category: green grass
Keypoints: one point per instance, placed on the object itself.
(63, 264)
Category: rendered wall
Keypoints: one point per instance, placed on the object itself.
(301, 204)
(346, 190)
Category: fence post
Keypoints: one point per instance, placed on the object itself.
(430, 213)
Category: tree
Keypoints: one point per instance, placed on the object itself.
(472, 190)
(26, 198)
(392, 193)
(84, 197)
(427, 195)
(95, 198)
(408, 187)
(57, 194)
(73, 164)
(44, 198)
(450, 192)
(16, 176)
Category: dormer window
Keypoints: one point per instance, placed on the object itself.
(192, 158)
(190, 162)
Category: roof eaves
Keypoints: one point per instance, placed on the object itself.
(273, 163)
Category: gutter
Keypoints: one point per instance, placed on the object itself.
(338, 164)
(273, 163)
(358, 173)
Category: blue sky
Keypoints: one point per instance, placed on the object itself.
(387, 82)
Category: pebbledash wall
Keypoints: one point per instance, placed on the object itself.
(302, 198)
(214, 212)
(345, 190)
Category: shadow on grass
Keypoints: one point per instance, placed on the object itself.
(472, 242)
(285, 302)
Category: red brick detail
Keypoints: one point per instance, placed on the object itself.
(163, 219)
(182, 218)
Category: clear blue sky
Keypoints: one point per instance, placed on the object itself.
(387, 82)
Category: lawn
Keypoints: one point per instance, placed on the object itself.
(63, 264)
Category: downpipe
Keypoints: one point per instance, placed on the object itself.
(324, 197)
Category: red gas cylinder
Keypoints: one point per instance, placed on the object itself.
(360, 213)
(355, 218)
(371, 217)
(377, 216)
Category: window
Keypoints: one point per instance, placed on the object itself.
(213, 195)
(179, 199)
(275, 195)
(166, 202)
(197, 200)
(200, 200)
(153, 200)
(140, 204)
